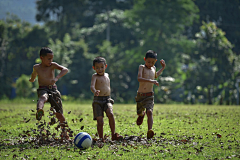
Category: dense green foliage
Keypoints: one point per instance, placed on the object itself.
(181, 132)
(198, 44)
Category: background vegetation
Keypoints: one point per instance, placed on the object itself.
(197, 39)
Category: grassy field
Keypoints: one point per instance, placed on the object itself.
(181, 132)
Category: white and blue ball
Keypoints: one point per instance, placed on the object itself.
(83, 140)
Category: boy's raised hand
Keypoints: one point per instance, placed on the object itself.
(96, 92)
(31, 80)
(162, 62)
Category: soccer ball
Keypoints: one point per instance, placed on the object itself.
(83, 140)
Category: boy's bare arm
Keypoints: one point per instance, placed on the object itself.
(63, 69)
(141, 79)
(163, 67)
(92, 87)
(159, 72)
(33, 75)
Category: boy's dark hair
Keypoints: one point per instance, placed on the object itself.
(44, 51)
(151, 54)
(98, 60)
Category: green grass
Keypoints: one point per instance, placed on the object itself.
(181, 132)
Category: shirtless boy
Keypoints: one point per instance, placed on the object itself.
(47, 91)
(145, 95)
(102, 102)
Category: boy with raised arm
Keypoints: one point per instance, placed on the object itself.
(102, 102)
(47, 91)
(145, 95)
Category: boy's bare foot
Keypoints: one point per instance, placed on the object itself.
(39, 114)
(117, 137)
(150, 134)
(64, 135)
(102, 140)
(140, 119)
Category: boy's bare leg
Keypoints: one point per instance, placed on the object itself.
(40, 105)
(115, 136)
(140, 117)
(100, 126)
(111, 119)
(142, 114)
(150, 119)
(150, 132)
(41, 101)
(60, 117)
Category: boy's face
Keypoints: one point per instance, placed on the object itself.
(47, 60)
(149, 62)
(100, 68)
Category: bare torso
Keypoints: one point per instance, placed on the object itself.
(145, 87)
(103, 84)
(45, 74)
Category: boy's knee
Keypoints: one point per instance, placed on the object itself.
(60, 117)
(100, 122)
(149, 112)
(41, 102)
(110, 113)
(43, 99)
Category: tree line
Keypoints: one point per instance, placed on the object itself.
(197, 39)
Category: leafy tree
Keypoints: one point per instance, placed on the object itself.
(121, 34)
(212, 63)
(63, 15)
(79, 78)
(24, 88)
(63, 51)
(70, 54)
(225, 14)
(158, 23)
(4, 89)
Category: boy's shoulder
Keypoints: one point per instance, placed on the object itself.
(96, 75)
(35, 66)
(54, 64)
(142, 66)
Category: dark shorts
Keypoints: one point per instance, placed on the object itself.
(53, 97)
(144, 102)
(100, 105)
